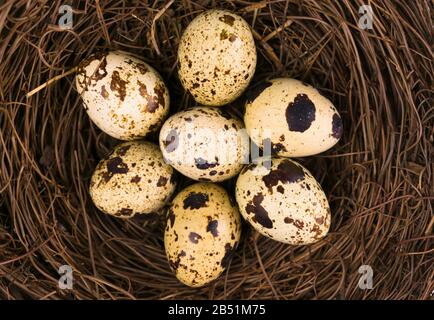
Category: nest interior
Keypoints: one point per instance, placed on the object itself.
(378, 178)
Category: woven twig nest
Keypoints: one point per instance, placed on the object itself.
(378, 179)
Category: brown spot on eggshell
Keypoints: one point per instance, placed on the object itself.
(319, 220)
(171, 217)
(161, 181)
(224, 35)
(143, 69)
(194, 237)
(136, 179)
(260, 214)
(216, 69)
(172, 140)
(142, 89)
(232, 38)
(99, 73)
(153, 102)
(203, 164)
(212, 227)
(300, 113)
(104, 92)
(196, 200)
(228, 19)
(118, 85)
(160, 92)
(286, 172)
(317, 232)
(114, 166)
(297, 223)
(175, 264)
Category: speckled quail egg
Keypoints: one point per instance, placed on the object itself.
(203, 230)
(125, 97)
(284, 203)
(292, 117)
(204, 143)
(133, 179)
(217, 57)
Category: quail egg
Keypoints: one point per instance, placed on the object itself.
(292, 118)
(125, 97)
(203, 143)
(133, 179)
(203, 230)
(284, 203)
(217, 57)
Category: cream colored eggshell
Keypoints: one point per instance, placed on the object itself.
(125, 97)
(295, 116)
(203, 230)
(217, 57)
(285, 204)
(204, 143)
(133, 179)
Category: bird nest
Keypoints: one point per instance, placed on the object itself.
(378, 178)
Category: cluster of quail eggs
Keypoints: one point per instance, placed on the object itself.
(127, 99)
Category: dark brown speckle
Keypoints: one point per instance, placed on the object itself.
(114, 166)
(196, 200)
(286, 172)
(171, 217)
(300, 114)
(172, 140)
(228, 19)
(118, 85)
(194, 237)
(136, 179)
(203, 164)
(104, 92)
(212, 227)
(161, 181)
(261, 215)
